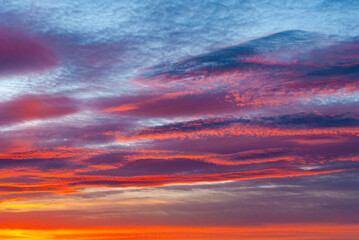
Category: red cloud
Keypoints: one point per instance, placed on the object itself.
(31, 107)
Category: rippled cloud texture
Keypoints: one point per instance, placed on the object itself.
(179, 119)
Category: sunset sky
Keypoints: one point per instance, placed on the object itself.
(185, 119)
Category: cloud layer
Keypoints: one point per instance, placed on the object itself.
(220, 114)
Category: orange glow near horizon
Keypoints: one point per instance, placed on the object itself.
(270, 232)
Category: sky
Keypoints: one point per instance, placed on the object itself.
(216, 119)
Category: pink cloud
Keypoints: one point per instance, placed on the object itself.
(31, 107)
(23, 53)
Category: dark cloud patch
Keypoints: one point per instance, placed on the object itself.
(37, 163)
(196, 125)
(259, 154)
(290, 121)
(336, 70)
(311, 120)
(110, 158)
(236, 57)
(22, 53)
(168, 106)
(149, 167)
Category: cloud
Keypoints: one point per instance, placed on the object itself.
(311, 120)
(285, 68)
(33, 107)
(290, 62)
(205, 113)
(23, 53)
(170, 106)
(282, 125)
(240, 57)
